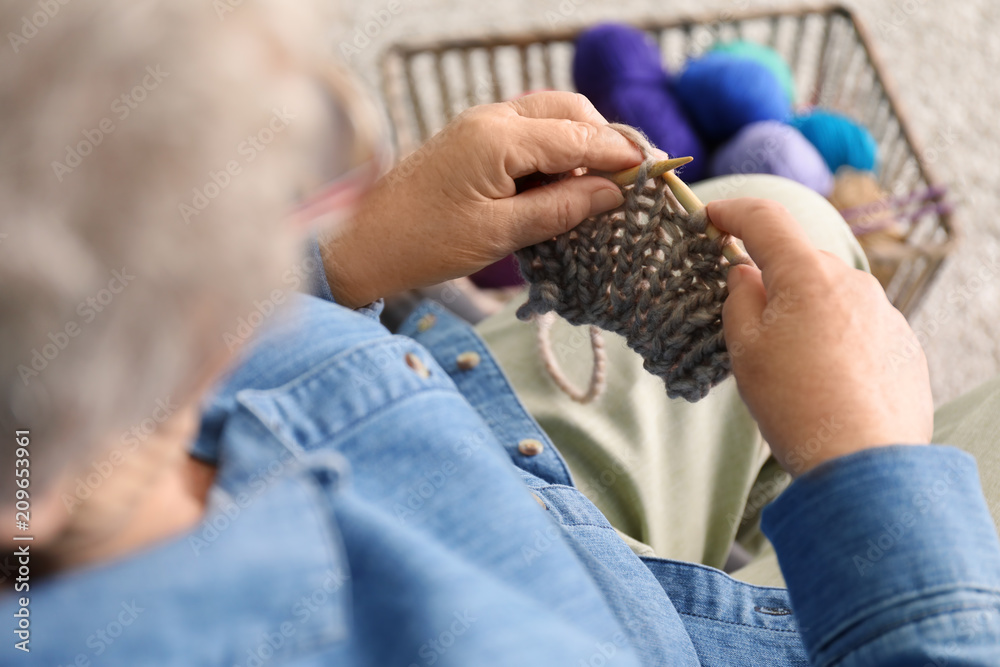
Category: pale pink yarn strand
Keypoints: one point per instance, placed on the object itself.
(598, 378)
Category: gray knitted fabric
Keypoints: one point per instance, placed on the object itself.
(645, 271)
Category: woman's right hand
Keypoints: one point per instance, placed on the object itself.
(825, 363)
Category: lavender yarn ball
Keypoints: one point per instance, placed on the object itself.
(772, 147)
(723, 93)
(613, 54)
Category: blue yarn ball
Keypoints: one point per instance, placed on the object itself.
(839, 139)
(772, 147)
(653, 109)
(766, 56)
(611, 54)
(723, 93)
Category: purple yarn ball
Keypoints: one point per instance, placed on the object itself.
(503, 273)
(771, 147)
(652, 109)
(723, 93)
(611, 54)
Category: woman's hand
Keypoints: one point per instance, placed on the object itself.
(451, 208)
(825, 363)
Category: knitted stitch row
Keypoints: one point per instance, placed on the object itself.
(645, 271)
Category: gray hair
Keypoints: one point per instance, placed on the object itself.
(149, 151)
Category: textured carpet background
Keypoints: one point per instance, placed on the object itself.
(942, 57)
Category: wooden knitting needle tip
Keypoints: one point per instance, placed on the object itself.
(689, 200)
(627, 177)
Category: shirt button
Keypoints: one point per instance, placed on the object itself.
(539, 501)
(530, 447)
(414, 362)
(426, 322)
(468, 360)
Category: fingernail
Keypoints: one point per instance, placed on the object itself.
(605, 199)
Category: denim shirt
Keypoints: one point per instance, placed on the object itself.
(372, 507)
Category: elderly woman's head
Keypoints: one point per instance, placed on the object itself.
(150, 153)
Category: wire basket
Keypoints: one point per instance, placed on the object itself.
(427, 83)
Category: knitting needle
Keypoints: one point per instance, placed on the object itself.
(627, 177)
(689, 200)
(620, 178)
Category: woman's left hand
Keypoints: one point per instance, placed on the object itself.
(452, 208)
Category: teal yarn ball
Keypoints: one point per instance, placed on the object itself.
(839, 139)
(764, 55)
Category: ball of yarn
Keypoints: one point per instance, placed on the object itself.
(868, 209)
(839, 139)
(866, 206)
(854, 189)
(620, 69)
(500, 274)
(613, 54)
(771, 147)
(723, 93)
(764, 55)
(655, 111)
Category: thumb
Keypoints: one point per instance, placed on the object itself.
(541, 213)
(744, 305)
